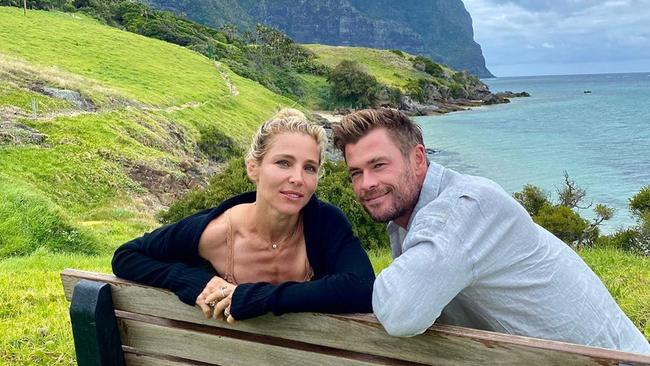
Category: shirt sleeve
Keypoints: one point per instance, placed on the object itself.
(411, 293)
(168, 258)
(346, 286)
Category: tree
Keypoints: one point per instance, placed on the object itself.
(570, 194)
(532, 198)
(351, 85)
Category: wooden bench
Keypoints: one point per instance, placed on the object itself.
(117, 322)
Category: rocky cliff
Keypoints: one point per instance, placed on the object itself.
(440, 29)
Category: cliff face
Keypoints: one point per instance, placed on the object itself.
(440, 29)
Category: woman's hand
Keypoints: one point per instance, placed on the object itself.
(215, 299)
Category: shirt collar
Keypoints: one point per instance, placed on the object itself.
(429, 192)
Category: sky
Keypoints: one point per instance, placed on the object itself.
(560, 37)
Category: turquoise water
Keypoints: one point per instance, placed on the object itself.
(602, 138)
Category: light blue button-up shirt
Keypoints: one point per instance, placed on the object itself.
(472, 256)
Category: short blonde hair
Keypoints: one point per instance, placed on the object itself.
(286, 120)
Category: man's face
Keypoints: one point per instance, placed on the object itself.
(383, 180)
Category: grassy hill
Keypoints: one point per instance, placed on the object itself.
(388, 67)
(100, 169)
(101, 128)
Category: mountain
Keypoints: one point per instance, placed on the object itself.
(440, 29)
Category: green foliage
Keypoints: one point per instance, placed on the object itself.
(532, 198)
(398, 53)
(640, 202)
(335, 188)
(352, 86)
(563, 222)
(425, 64)
(217, 145)
(233, 180)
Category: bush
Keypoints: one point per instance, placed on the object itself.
(217, 145)
(532, 198)
(640, 202)
(352, 86)
(425, 64)
(562, 222)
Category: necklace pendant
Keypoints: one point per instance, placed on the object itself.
(274, 246)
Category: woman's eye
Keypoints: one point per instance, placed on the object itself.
(282, 163)
(311, 169)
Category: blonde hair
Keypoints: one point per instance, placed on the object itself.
(286, 120)
(405, 133)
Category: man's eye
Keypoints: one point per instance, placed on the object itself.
(354, 174)
(379, 165)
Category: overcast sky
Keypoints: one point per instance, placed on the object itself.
(557, 37)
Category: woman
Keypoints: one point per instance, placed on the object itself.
(277, 250)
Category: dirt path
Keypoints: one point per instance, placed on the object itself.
(226, 78)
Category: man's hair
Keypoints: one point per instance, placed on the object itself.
(405, 133)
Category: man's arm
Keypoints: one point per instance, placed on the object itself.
(410, 294)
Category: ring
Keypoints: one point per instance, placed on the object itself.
(223, 291)
(212, 303)
(226, 313)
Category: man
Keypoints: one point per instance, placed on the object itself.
(465, 252)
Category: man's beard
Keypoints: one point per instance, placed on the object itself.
(405, 196)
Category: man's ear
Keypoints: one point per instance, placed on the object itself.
(252, 170)
(420, 163)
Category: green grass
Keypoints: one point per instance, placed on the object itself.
(386, 66)
(627, 276)
(34, 321)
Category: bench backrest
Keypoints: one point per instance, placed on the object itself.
(155, 328)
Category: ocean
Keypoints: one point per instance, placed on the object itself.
(601, 138)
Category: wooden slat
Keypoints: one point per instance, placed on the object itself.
(208, 348)
(136, 359)
(440, 345)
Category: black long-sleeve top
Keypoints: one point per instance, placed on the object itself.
(168, 257)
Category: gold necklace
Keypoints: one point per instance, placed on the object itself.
(276, 244)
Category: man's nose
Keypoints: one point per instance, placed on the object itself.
(368, 181)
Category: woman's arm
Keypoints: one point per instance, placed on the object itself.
(167, 257)
(346, 286)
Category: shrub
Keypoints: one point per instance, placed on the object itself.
(217, 145)
(398, 53)
(562, 222)
(640, 202)
(350, 85)
(532, 198)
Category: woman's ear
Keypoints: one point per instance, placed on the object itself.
(252, 170)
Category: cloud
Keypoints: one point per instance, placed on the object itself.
(549, 31)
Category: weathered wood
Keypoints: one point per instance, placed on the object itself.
(440, 345)
(204, 347)
(94, 326)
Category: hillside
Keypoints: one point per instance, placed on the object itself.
(439, 29)
(147, 106)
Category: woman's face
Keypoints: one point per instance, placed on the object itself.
(288, 174)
